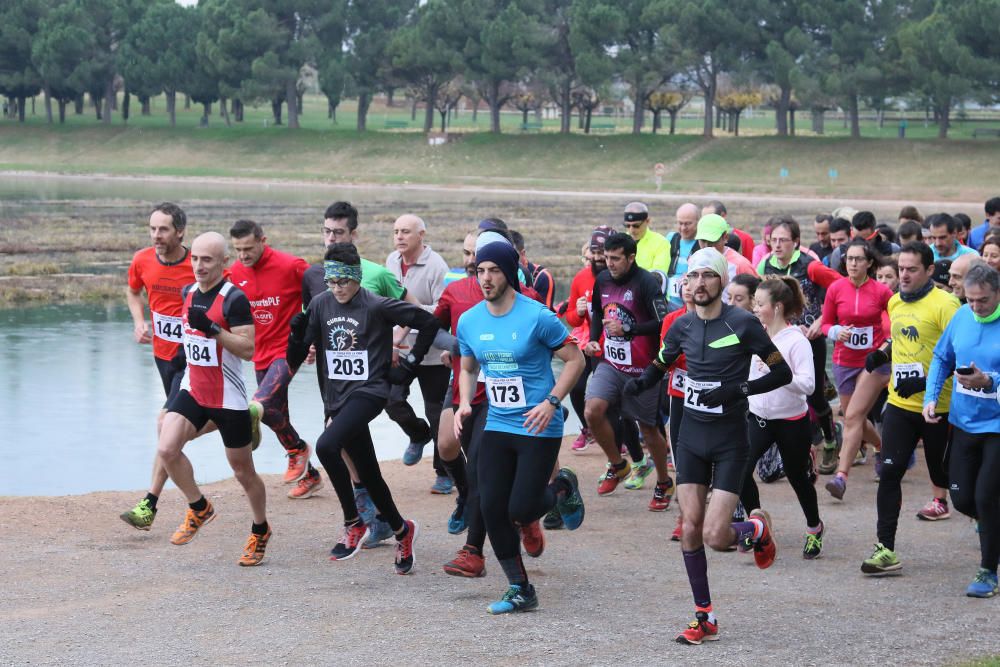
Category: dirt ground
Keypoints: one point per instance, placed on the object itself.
(79, 586)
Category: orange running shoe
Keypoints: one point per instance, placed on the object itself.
(533, 539)
(298, 464)
(765, 550)
(192, 522)
(466, 564)
(253, 550)
(306, 487)
(609, 481)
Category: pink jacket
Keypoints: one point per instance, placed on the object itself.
(788, 401)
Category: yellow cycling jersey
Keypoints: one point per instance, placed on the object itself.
(916, 328)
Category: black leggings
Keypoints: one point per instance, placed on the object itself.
(434, 382)
(578, 392)
(348, 431)
(793, 437)
(676, 417)
(901, 429)
(626, 431)
(472, 438)
(974, 469)
(514, 487)
(817, 400)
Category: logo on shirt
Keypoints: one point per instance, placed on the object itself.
(342, 339)
(263, 317)
(628, 295)
(513, 336)
(500, 360)
(486, 336)
(242, 283)
(910, 333)
(615, 311)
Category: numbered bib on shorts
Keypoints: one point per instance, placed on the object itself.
(693, 391)
(506, 392)
(677, 379)
(674, 286)
(168, 328)
(347, 364)
(200, 350)
(975, 393)
(904, 371)
(860, 338)
(618, 352)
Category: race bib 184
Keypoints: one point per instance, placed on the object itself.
(347, 364)
(200, 350)
(506, 392)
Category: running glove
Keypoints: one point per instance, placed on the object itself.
(299, 324)
(906, 387)
(403, 373)
(197, 319)
(725, 393)
(876, 359)
(649, 378)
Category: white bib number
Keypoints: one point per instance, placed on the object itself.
(618, 352)
(975, 393)
(674, 286)
(201, 351)
(506, 392)
(347, 364)
(861, 338)
(693, 391)
(168, 328)
(904, 371)
(678, 379)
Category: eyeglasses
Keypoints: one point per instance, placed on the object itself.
(708, 275)
(775, 241)
(339, 282)
(634, 225)
(335, 232)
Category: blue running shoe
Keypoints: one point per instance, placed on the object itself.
(366, 508)
(984, 585)
(442, 485)
(414, 452)
(517, 598)
(457, 524)
(570, 506)
(379, 531)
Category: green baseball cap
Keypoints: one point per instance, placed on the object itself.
(711, 227)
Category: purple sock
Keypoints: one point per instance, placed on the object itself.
(744, 530)
(697, 569)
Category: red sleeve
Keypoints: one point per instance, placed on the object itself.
(135, 274)
(572, 317)
(821, 274)
(746, 245)
(301, 266)
(829, 309)
(443, 310)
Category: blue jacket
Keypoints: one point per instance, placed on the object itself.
(965, 341)
(978, 234)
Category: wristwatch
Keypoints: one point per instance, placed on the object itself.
(627, 329)
(745, 388)
(411, 359)
(553, 400)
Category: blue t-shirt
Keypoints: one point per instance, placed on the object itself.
(514, 352)
(674, 286)
(959, 251)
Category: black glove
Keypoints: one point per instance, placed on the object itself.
(876, 359)
(198, 319)
(724, 393)
(403, 373)
(906, 387)
(299, 325)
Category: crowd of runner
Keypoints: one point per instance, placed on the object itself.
(696, 356)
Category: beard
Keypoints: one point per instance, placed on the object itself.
(706, 298)
(597, 267)
(498, 292)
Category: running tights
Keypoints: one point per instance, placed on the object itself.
(974, 469)
(793, 437)
(817, 399)
(272, 393)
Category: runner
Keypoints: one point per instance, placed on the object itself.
(272, 280)
(686, 243)
(718, 341)
(742, 290)
(782, 416)
(864, 225)
(652, 248)
(840, 234)
(943, 237)
(854, 317)
(970, 347)
(536, 275)
(513, 340)
(956, 274)
(991, 251)
(218, 335)
(919, 314)
(162, 270)
(821, 226)
(626, 310)
(714, 232)
(738, 240)
(990, 225)
(353, 330)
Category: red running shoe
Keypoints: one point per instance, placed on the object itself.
(533, 539)
(765, 549)
(678, 529)
(466, 564)
(699, 630)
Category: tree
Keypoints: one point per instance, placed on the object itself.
(733, 104)
(19, 78)
(446, 101)
(585, 100)
(672, 102)
(646, 58)
(781, 51)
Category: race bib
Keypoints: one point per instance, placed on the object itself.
(861, 338)
(168, 328)
(347, 364)
(506, 392)
(693, 391)
(618, 352)
(677, 379)
(904, 371)
(481, 377)
(200, 350)
(975, 393)
(674, 286)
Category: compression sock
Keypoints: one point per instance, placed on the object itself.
(151, 498)
(815, 530)
(259, 528)
(199, 505)
(456, 470)
(514, 569)
(618, 467)
(752, 528)
(697, 570)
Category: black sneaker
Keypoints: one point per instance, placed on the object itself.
(405, 559)
(553, 520)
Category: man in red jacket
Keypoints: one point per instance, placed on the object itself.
(272, 280)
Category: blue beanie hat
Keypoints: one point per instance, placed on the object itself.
(504, 256)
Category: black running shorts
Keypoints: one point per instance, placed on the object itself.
(712, 453)
(234, 425)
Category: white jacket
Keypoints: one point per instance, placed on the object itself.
(788, 401)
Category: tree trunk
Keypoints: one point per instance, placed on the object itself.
(855, 121)
(187, 101)
(364, 101)
(20, 108)
(791, 122)
(781, 111)
(444, 118)
(97, 106)
(657, 120)
(881, 118)
(172, 107)
(709, 92)
(944, 115)
(239, 110)
(524, 117)
(78, 105)
(639, 113)
(432, 92)
(736, 123)
(564, 107)
(48, 105)
(390, 94)
(673, 120)
(818, 116)
(276, 110)
(144, 101)
(329, 108)
(590, 115)
(292, 97)
(126, 102)
(493, 100)
(62, 111)
(475, 111)
(224, 111)
(109, 93)
(300, 101)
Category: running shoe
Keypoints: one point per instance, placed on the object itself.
(253, 550)
(552, 520)
(256, 414)
(861, 458)
(814, 544)
(699, 630)
(745, 545)
(533, 539)
(935, 510)
(517, 598)
(837, 487)
(675, 536)
(611, 479)
(582, 441)
(366, 508)
(764, 548)
(442, 485)
(828, 462)
(882, 561)
(662, 494)
(414, 452)
(298, 464)
(638, 474)
(466, 564)
(405, 558)
(141, 516)
(192, 522)
(351, 541)
(307, 486)
(984, 585)
(456, 523)
(380, 532)
(570, 506)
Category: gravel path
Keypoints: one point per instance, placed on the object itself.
(81, 587)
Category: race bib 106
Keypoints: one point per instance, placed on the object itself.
(506, 392)
(347, 364)
(860, 338)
